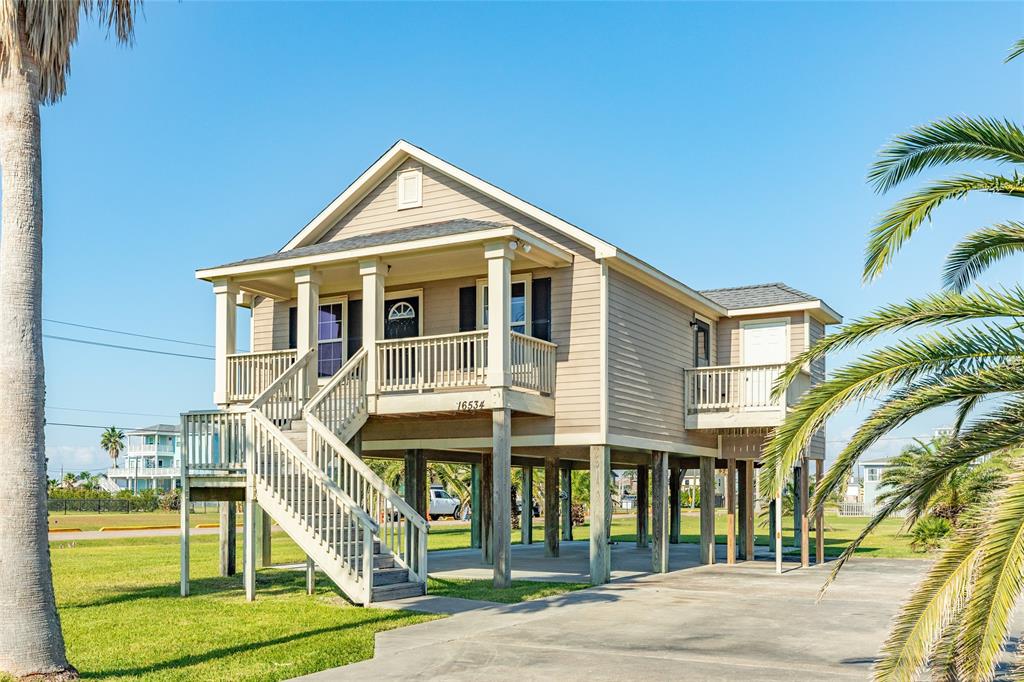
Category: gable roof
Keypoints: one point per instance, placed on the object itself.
(402, 150)
(757, 295)
(604, 251)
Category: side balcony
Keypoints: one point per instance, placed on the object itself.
(738, 396)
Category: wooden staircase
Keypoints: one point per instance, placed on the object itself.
(341, 514)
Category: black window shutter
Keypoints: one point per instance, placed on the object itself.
(541, 308)
(467, 309)
(355, 327)
(293, 327)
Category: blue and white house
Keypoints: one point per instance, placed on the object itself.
(151, 459)
(873, 483)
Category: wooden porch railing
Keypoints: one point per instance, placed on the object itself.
(429, 363)
(249, 374)
(213, 440)
(533, 363)
(731, 388)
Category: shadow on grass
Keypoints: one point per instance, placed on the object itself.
(270, 582)
(252, 646)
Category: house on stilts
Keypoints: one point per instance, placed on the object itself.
(426, 314)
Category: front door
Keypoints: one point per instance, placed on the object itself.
(764, 343)
(401, 321)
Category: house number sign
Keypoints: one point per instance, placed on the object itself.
(467, 405)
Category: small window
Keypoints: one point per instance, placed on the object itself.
(872, 474)
(701, 344)
(410, 188)
(402, 311)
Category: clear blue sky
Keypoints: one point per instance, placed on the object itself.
(727, 144)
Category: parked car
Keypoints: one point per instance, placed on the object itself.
(442, 504)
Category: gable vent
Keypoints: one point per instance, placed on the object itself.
(410, 188)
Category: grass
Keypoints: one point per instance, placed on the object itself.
(123, 618)
(94, 521)
(521, 590)
(885, 542)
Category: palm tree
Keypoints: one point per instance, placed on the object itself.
(961, 488)
(112, 441)
(955, 622)
(35, 48)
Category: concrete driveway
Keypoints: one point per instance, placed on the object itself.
(700, 623)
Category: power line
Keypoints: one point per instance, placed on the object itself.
(87, 426)
(135, 348)
(134, 414)
(117, 331)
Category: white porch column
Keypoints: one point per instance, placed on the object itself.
(226, 298)
(307, 284)
(372, 271)
(499, 318)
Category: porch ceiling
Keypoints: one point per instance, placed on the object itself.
(418, 253)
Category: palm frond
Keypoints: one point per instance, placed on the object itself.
(943, 308)
(924, 618)
(957, 351)
(909, 402)
(950, 140)
(963, 411)
(903, 219)
(1015, 51)
(50, 29)
(999, 582)
(979, 250)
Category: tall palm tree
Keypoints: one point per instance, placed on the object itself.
(35, 50)
(112, 441)
(955, 622)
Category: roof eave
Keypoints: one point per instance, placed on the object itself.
(658, 280)
(817, 307)
(543, 251)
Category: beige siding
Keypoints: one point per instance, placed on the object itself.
(650, 342)
(575, 290)
(270, 324)
(816, 449)
(729, 352)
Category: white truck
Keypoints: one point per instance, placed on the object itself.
(442, 504)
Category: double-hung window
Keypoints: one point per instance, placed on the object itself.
(330, 338)
(519, 304)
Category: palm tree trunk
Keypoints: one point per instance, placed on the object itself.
(30, 627)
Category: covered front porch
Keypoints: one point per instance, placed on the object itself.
(451, 317)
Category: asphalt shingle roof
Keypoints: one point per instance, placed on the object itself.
(757, 295)
(403, 234)
(158, 428)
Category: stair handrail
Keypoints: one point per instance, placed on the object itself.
(356, 362)
(315, 471)
(300, 364)
(361, 468)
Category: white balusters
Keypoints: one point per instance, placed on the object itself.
(533, 363)
(732, 388)
(432, 362)
(249, 374)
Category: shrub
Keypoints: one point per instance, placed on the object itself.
(928, 533)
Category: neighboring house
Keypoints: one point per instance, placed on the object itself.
(426, 314)
(151, 459)
(873, 487)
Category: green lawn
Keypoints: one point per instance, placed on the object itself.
(123, 618)
(886, 541)
(94, 521)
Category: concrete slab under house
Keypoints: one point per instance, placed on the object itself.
(427, 315)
